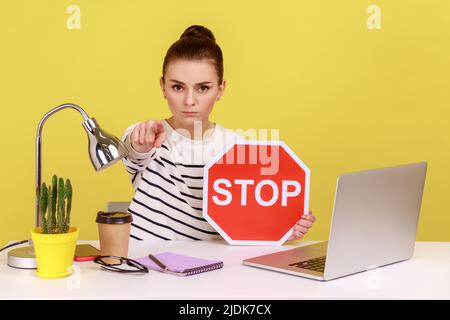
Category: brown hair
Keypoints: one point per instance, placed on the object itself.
(196, 43)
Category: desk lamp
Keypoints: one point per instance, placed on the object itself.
(104, 150)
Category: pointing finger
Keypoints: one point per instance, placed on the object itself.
(161, 136)
(142, 133)
(158, 127)
(135, 136)
(149, 134)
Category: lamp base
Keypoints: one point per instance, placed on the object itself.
(22, 258)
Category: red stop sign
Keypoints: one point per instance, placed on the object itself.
(255, 192)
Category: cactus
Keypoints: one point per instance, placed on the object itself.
(61, 208)
(53, 201)
(43, 208)
(68, 194)
(54, 197)
(50, 224)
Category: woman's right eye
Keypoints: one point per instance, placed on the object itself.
(176, 87)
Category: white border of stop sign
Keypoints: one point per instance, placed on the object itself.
(305, 190)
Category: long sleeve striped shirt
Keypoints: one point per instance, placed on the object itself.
(168, 185)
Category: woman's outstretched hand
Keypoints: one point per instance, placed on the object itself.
(302, 226)
(147, 135)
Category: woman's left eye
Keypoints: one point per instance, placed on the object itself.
(205, 88)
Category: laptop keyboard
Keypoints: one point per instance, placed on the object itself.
(316, 264)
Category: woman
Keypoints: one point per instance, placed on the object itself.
(166, 158)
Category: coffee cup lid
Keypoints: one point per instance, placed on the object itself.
(114, 217)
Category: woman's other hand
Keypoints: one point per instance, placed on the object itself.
(302, 226)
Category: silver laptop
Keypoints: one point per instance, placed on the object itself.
(374, 223)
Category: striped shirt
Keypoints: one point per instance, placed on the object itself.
(168, 185)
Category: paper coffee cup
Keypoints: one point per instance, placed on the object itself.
(114, 233)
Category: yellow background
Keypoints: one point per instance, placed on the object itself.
(344, 97)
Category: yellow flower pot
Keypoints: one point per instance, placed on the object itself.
(54, 252)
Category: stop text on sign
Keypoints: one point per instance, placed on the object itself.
(289, 189)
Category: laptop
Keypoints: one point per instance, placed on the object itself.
(374, 224)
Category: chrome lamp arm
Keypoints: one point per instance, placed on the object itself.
(104, 149)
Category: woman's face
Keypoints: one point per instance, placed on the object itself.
(191, 88)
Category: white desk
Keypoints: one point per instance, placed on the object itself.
(426, 276)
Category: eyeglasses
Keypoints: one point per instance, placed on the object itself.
(120, 264)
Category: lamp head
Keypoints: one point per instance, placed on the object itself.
(104, 148)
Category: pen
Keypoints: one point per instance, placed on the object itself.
(164, 267)
(159, 263)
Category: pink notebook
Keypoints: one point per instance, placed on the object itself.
(180, 264)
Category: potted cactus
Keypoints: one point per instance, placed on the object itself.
(54, 240)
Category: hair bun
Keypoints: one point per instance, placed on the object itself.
(199, 32)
